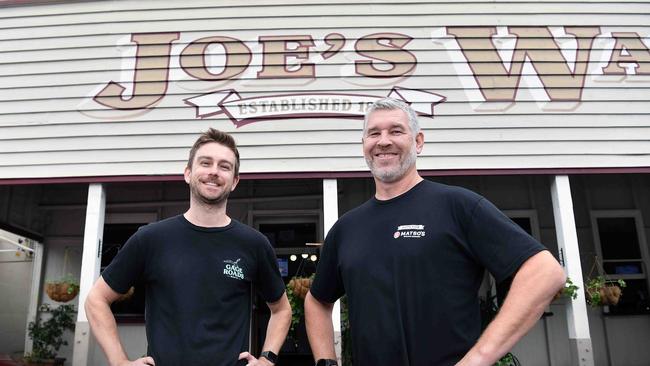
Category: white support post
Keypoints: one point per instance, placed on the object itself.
(330, 215)
(567, 240)
(35, 293)
(90, 265)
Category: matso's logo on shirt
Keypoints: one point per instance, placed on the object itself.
(233, 270)
(409, 231)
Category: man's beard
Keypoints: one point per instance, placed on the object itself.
(210, 201)
(390, 174)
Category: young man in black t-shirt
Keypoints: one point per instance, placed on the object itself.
(198, 269)
(411, 261)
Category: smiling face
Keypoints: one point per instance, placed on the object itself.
(389, 146)
(212, 175)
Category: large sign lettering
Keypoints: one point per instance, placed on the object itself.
(497, 59)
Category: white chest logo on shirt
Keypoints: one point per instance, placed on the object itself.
(409, 231)
(232, 270)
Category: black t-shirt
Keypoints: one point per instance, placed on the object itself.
(198, 287)
(411, 267)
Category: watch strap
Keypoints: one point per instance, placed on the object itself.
(269, 355)
(326, 362)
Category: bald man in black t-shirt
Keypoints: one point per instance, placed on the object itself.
(411, 260)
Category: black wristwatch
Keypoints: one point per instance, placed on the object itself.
(325, 362)
(270, 356)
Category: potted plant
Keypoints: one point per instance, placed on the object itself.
(570, 290)
(62, 290)
(601, 291)
(48, 335)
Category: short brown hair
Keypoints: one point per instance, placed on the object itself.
(222, 138)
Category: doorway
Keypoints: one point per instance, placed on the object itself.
(294, 239)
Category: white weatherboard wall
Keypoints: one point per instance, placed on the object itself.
(55, 58)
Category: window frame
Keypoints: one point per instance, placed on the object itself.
(530, 214)
(643, 246)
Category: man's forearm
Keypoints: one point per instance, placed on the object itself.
(320, 331)
(104, 328)
(533, 288)
(278, 327)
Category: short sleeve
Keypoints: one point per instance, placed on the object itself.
(328, 284)
(269, 281)
(127, 267)
(498, 243)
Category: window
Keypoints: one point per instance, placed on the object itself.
(621, 247)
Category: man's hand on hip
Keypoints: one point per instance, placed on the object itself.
(252, 361)
(143, 361)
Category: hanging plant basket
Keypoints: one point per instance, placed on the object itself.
(63, 290)
(610, 294)
(297, 289)
(300, 286)
(601, 292)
